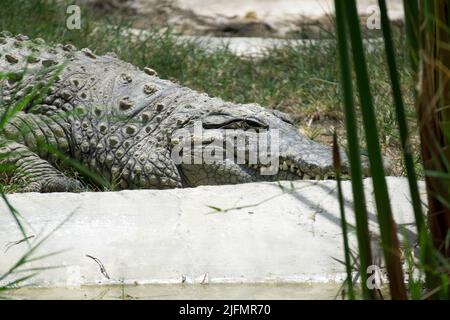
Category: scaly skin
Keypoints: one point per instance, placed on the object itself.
(122, 123)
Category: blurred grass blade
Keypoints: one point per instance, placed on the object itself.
(16, 282)
(403, 126)
(98, 179)
(388, 231)
(411, 10)
(27, 257)
(434, 114)
(337, 169)
(433, 117)
(16, 217)
(362, 227)
(401, 117)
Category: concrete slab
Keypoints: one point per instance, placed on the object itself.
(235, 291)
(265, 233)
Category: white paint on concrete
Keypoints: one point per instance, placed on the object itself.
(152, 236)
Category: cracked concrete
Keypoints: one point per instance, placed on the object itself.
(250, 233)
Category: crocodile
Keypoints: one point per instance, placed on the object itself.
(122, 123)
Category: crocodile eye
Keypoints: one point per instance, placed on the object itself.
(229, 122)
(244, 124)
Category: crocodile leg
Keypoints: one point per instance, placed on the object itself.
(30, 173)
(26, 142)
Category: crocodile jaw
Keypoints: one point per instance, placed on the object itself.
(285, 155)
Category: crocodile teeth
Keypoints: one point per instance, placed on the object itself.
(285, 166)
(150, 71)
(306, 177)
(87, 52)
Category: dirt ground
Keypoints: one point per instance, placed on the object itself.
(249, 18)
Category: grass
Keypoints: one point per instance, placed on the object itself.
(24, 269)
(388, 232)
(302, 81)
(362, 227)
(427, 25)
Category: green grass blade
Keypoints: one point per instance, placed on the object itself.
(16, 282)
(16, 216)
(365, 255)
(433, 117)
(387, 226)
(337, 169)
(402, 123)
(411, 10)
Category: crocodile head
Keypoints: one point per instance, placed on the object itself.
(247, 143)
